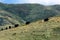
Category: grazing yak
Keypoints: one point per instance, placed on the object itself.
(46, 19)
(9, 27)
(27, 23)
(6, 28)
(1, 29)
(16, 25)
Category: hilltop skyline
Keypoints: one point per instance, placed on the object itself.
(44, 2)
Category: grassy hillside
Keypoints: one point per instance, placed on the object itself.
(39, 13)
(8, 15)
(35, 31)
(57, 7)
(22, 13)
(11, 14)
(6, 19)
(16, 12)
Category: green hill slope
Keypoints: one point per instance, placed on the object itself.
(30, 12)
(6, 19)
(11, 14)
(16, 12)
(34, 31)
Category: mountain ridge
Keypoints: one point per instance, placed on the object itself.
(22, 13)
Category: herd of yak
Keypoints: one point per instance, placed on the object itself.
(16, 25)
(10, 27)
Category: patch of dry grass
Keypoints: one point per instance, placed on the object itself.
(34, 31)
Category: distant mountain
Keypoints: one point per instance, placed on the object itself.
(41, 13)
(8, 18)
(20, 13)
(57, 7)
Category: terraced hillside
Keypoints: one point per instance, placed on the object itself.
(34, 31)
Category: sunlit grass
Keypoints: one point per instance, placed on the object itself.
(34, 31)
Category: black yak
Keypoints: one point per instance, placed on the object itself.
(27, 23)
(1, 29)
(16, 25)
(6, 28)
(9, 27)
(46, 19)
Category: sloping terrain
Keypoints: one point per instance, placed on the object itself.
(35, 31)
(22, 13)
(34, 14)
(6, 19)
(15, 13)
